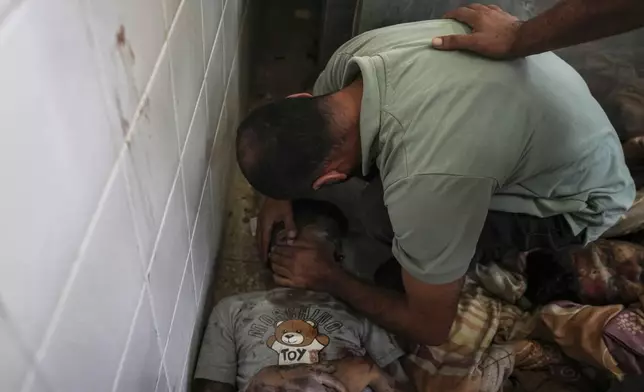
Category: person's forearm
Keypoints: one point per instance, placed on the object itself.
(386, 308)
(572, 22)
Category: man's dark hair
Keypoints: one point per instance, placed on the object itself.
(282, 147)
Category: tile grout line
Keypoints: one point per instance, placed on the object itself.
(74, 270)
(205, 182)
(174, 313)
(13, 6)
(157, 239)
(156, 386)
(203, 80)
(14, 333)
(208, 61)
(128, 341)
(102, 73)
(225, 94)
(155, 70)
(163, 345)
(191, 230)
(214, 42)
(156, 327)
(194, 229)
(203, 49)
(202, 90)
(137, 232)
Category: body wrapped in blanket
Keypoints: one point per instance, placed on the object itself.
(499, 342)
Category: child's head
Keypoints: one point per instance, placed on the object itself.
(318, 221)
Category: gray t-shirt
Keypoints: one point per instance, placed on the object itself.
(249, 332)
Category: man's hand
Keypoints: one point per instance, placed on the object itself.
(304, 264)
(272, 212)
(307, 378)
(494, 32)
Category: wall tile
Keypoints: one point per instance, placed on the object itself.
(182, 326)
(15, 358)
(169, 261)
(101, 304)
(170, 10)
(5, 6)
(195, 343)
(186, 49)
(154, 154)
(231, 34)
(58, 148)
(211, 14)
(70, 121)
(216, 87)
(184, 384)
(202, 239)
(194, 160)
(233, 98)
(128, 49)
(162, 384)
(140, 370)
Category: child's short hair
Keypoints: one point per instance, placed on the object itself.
(324, 216)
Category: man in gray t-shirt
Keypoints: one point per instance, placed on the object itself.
(249, 333)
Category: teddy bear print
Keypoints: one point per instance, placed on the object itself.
(297, 341)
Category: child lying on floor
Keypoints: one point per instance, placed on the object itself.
(293, 340)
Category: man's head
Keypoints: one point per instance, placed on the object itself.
(290, 147)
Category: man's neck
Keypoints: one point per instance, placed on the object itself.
(347, 103)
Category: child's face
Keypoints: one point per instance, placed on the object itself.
(309, 233)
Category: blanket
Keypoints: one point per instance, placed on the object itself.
(500, 342)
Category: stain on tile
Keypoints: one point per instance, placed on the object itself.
(122, 42)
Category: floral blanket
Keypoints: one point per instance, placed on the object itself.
(499, 342)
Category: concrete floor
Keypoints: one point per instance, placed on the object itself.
(239, 268)
(283, 60)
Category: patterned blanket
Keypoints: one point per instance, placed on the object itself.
(499, 342)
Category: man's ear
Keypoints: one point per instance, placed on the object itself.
(332, 177)
(300, 95)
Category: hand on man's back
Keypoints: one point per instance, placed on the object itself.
(494, 31)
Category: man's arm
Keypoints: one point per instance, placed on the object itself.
(423, 314)
(497, 34)
(202, 385)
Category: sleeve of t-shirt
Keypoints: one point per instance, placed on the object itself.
(218, 357)
(380, 345)
(331, 79)
(437, 220)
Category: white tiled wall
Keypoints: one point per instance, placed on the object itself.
(117, 120)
